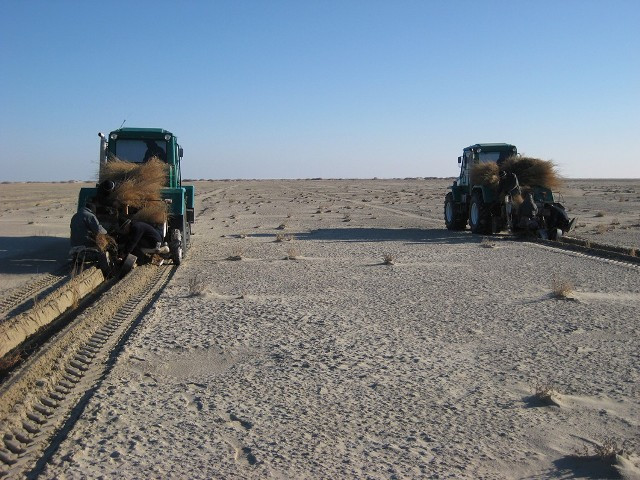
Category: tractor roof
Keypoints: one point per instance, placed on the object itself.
(492, 147)
(141, 132)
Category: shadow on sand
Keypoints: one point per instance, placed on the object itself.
(32, 255)
(584, 467)
(411, 235)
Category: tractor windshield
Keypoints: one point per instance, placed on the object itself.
(139, 151)
(489, 157)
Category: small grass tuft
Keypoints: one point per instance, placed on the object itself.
(607, 451)
(196, 285)
(561, 288)
(293, 253)
(281, 237)
(543, 392)
(388, 259)
(236, 254)
(486, 242)
(599, 214)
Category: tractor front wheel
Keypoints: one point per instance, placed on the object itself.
(452, 216)
(479, 215)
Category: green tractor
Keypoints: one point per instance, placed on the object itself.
(137, 146)
(497, 202)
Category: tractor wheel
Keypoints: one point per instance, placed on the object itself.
(452, 217)
(479, 215)
(176, 246)
(177, 256)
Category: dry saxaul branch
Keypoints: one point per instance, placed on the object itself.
(105, 242)
(530, 171)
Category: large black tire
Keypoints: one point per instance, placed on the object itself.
(479, 215)
(177, 246)
(453, 218)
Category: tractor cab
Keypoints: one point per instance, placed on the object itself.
(483, 153)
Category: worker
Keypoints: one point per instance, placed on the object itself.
(141, 235)
(85, 226)
(508, 184)
(154, 150)
(528, 212)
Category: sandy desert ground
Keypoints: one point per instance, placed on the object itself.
(310, 358)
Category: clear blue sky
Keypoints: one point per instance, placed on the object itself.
(326, 88)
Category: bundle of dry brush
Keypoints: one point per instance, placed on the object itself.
(138, 186)
(105, 242)
(530, 172)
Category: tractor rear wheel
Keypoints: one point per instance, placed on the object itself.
(479, 215)
(453, 219)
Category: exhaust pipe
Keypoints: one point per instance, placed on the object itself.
(103, 148)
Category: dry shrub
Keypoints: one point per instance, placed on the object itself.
(281, 237)
(600, 229)
(236, 253)
(608, 451)
(105, 242)
(485, 174)
(75, 297)
(9, 361)
(137, 185)
(153, 212)
(534, 171)
(388, 259)
(292, 253)
(543, 393)
(530, 172)
(486, 242)
(196, 285)
(561, 288)
(115, 170)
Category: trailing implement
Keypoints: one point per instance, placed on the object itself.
(499, 190)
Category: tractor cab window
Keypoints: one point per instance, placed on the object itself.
(488, 157)
(139, 151)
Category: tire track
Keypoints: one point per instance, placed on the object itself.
(40, 403)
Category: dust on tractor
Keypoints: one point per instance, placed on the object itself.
(499, 190)
(140, 180)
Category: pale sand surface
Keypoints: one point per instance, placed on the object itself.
(336, 366)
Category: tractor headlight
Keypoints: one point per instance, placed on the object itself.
(167, 137)
(113, 136)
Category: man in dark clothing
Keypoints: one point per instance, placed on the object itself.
(528, 212)
(508, 184)
(85, 227)
(142, 236)
(153, 150)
